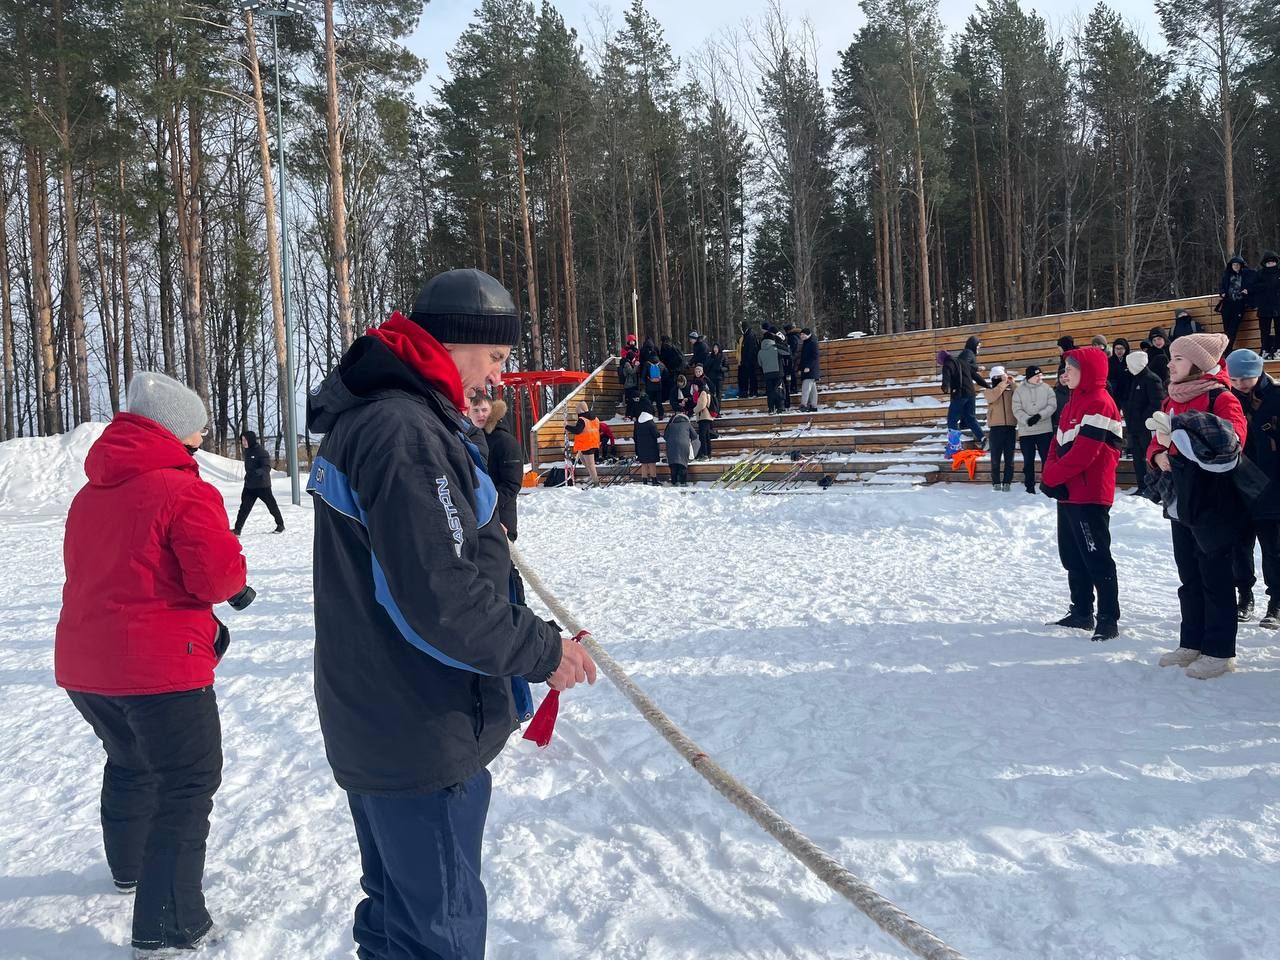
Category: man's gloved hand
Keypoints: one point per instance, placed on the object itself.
(1033, 419)
(243, 598)
(1054, 493)
(1158, 423)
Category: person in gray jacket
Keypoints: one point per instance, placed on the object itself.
(682, 446)
(770, 360)
(1033, 405)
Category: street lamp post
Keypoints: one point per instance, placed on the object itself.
(281, 9)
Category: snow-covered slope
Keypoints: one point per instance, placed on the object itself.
(872, 664)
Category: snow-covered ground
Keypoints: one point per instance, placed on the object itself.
(871, 664)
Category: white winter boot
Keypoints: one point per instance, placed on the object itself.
(1181, 657)
(1206, 668)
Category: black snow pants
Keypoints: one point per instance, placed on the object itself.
(1084, 547)
(1207, 596)
(164, 764)
(1003, 442)
(247, 498)
(1031, 446)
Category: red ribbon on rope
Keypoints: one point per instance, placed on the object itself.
(543, 723)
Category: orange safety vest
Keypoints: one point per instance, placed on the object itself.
(589, 438)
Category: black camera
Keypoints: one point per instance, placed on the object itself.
(243, 598)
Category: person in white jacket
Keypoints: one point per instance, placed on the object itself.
(1033, 405)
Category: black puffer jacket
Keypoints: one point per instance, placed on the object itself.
(1146, 396)
(417, 642)
(1119, 380)
(1262, 408)
(969, 375)
(257, 464)
(506, 466)
(1158, 357)
(1264, 287)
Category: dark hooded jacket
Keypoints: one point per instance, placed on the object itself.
(701, 354)
(1184, 325)
(969, 375)
(1262, 445)
(1119, 379)
(418, 645)
(257, 464)
(1234, 288)
(1158, 357)
(645, 435)
(506, 465)
(1264, 287)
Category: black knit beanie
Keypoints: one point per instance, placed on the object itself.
(466, 306)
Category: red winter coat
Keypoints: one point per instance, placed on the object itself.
(1086, 448)
(147, 553)
(1226, 406)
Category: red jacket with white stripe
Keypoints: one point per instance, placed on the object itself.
(1086, 448)
(1225, 406)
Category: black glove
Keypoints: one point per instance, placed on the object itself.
(243, 598)
(1054, 493)
(221, 640)
(1033, 419)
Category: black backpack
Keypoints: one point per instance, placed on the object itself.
(951, 377)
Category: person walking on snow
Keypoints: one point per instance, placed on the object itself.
(1080, 474)
(1206, 516)
(585, 431)
(1001, 427)
(1146, 394)
(422, 659)
(1259, 397)
(257, 483)
(809, 371)
(148, 553)
(1033, 405)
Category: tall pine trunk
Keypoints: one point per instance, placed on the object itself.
(530, 265)
(269, 201)
(333, 130)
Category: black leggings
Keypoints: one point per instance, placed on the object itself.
(1003, 442)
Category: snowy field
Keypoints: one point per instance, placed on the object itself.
(870, 662)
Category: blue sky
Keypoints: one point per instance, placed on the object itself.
(689, 23)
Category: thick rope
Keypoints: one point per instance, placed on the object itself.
(885, 914)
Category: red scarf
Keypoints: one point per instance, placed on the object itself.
(423, 354)
(1184, 391)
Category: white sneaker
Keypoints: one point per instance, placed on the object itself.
(1206, 668)
(1181, 657)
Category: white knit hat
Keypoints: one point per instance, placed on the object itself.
(997, 371)
(167, 402)
(1136, 361)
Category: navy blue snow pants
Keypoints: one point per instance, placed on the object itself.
(420, 856)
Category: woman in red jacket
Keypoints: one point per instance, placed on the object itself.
(1202, 544)
(1080, 473)
(147, 554)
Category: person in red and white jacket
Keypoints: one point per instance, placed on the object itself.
(1080, 473)
(1201, 549)
(147, 553)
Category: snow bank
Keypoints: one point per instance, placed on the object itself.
(42, 474)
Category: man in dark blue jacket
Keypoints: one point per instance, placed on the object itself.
(421, 658)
